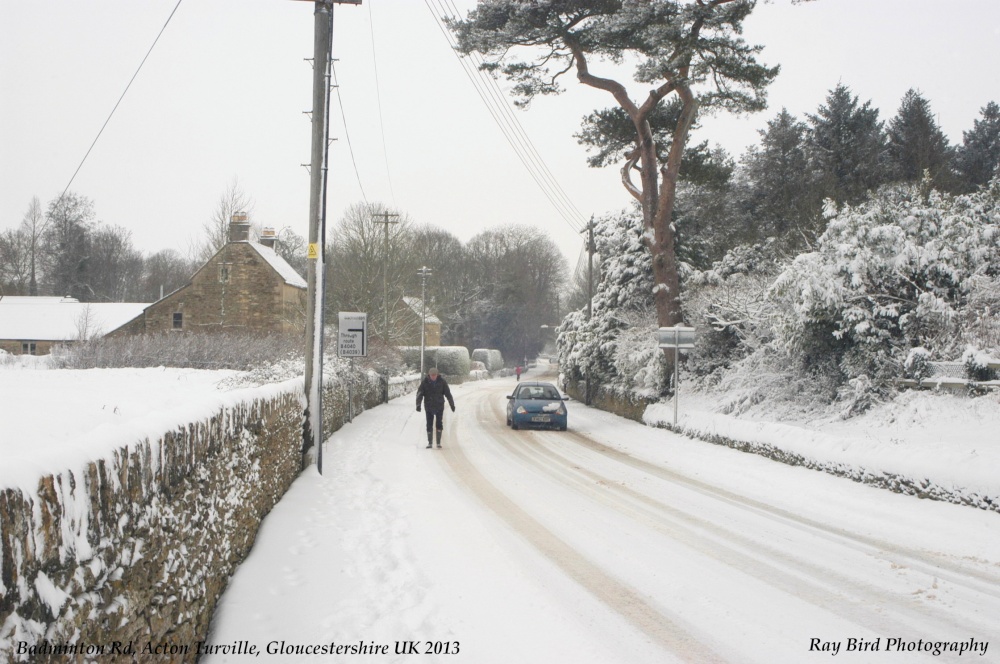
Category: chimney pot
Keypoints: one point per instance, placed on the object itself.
(239, 227)
(268, 237)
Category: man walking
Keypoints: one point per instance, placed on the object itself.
(432, 392)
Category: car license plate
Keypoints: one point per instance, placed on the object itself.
(541, 418)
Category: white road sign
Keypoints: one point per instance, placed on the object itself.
(352, 340)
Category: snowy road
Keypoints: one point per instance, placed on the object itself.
(612, 542)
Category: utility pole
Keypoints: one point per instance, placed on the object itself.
(424, 272)
(312, 428)
(385, 287)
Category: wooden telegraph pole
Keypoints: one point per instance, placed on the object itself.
(312, 430)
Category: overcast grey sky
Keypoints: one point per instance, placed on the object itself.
(223, 93)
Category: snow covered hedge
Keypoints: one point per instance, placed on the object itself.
(491, 358)
(449, 360)
(909, 268)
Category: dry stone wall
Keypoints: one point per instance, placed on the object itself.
(135, 551)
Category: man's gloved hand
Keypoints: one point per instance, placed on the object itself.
(418, 409)
(453, 409)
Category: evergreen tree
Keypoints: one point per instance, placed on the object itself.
(917, 145)
(847, 146)
(979, 155)
(784, 199)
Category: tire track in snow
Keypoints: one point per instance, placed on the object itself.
(853, 601)
(974, 579)
(661, 629)
(861, 604)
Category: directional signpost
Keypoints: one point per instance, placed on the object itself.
(676, 337)
(352, 342)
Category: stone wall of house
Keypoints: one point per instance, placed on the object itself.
(14, 347)
(236, 290)
(138, 547)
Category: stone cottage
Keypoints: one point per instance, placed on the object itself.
(410, 321)
(245, 287)
(33, 325)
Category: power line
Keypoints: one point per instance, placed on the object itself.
(513, 132)
(347, 134)
(159, 34)
(503, 105)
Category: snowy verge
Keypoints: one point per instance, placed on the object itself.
(938, 446)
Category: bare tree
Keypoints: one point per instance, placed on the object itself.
(32, 227)
(358, 260)
(117, 267)
(216, 229)
(15, 264)
(163, 273)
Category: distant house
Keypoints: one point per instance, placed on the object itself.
(245, 287)
(33, 325)
(410, 320)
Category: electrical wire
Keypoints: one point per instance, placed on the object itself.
(512, 130)
(502, 103)
(343, 115)
(96, 138)
(347, 134)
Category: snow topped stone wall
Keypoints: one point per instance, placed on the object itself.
(138, 547)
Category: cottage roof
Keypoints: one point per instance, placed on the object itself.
(280, 265)
(414, 303)
(61, 318)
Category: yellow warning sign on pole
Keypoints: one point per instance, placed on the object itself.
(313, 251)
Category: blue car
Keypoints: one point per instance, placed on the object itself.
(535, 404)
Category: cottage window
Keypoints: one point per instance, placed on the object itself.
(28, 348)
(224, 273)
(178, 321)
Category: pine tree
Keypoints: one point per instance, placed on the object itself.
(784, 200)
(979, 155)
(917, 145)
(847, 146)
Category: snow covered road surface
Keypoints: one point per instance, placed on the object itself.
(612, 542)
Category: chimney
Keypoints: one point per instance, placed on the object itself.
(267, 237)
(239, 227)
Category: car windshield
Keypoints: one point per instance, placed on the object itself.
(537, 392)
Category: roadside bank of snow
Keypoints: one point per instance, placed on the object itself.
(934, 445)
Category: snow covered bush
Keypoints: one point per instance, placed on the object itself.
(616, 348)
(888, 275)
(917, 364)
(977, 364)
(491, 358)
(729, 305)
(241, 351)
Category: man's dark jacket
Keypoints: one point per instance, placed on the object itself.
(433, 393)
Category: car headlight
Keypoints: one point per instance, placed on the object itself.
(521, 410)
(560, 411)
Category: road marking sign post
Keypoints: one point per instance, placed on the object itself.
(676, 337)
(352, 342)
(352, 339)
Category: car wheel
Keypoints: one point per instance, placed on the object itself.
(513, 425)
(563, 427)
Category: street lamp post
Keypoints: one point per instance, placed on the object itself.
(424, 272)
